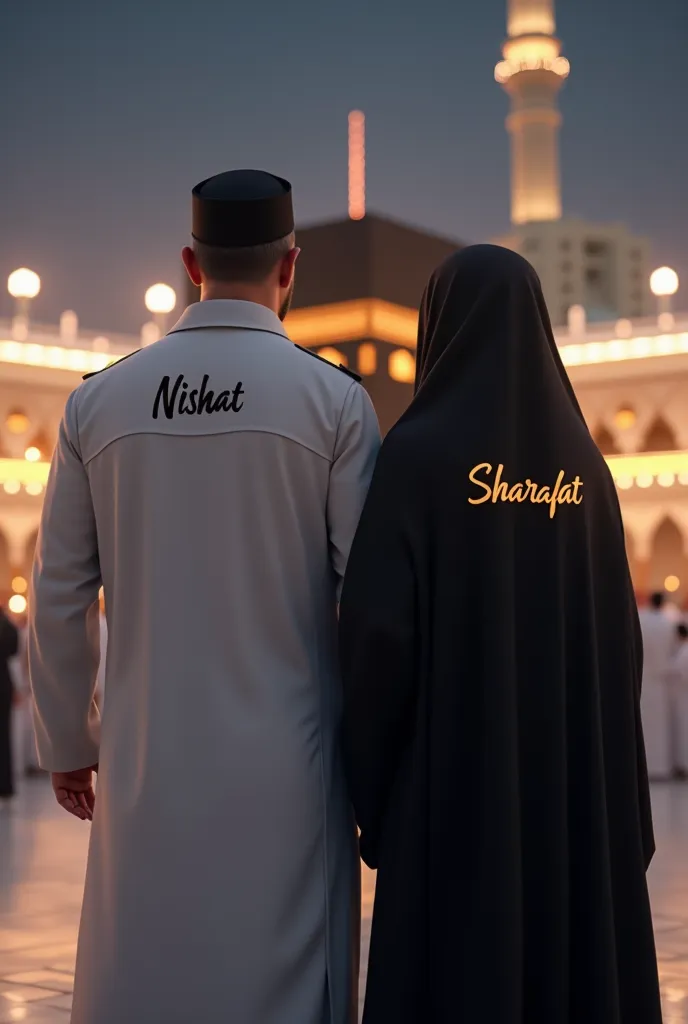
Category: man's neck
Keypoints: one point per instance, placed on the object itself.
(237, 293)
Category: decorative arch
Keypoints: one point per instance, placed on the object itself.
(668, 558)
(605, 441)
(659, 437)
(631, 555)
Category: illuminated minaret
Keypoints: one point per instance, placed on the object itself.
(532, 72)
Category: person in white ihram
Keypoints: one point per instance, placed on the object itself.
(679, 683)
(212, 483)
(659, 645)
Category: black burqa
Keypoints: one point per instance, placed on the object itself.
(492, 664)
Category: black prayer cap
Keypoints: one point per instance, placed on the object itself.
(241, 208)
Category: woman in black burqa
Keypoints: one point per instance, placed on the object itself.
(492, 665)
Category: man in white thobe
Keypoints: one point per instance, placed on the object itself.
(659, 644)
(213, 483)
(679, 686)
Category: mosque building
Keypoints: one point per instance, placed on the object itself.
(359, 284)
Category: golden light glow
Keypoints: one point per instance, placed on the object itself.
(17, 473)
(664, 282)
(356, 320)
(40, 447)
(531, 48)
(402, 366)
(333, 355)
(34, 488)
(672, 583)
(54, 357)
(625, 417)
(356, 165)
(644, 469)
(19, 585)
(17, 422)
(528, 16)
(17, 604)
(506, 69)
(160, 298)
(531, 52)
(621, 349)
(23, 284)
(367, 359)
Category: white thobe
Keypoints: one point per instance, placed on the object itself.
(212, 483)
(680, 707)
(659, 635)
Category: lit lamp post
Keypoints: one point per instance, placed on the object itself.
(23, 285)
(160, 300)
(664, 285)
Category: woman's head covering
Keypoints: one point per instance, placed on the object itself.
(484, 307)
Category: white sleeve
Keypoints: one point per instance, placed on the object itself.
(356, 449)
(63, 636)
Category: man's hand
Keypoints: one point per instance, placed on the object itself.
(74, 791)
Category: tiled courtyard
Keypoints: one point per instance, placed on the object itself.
(42, 858)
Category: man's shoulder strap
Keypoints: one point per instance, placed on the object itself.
(344, 369)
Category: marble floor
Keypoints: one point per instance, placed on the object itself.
(42, 859)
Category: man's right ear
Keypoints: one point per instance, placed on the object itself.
(287, 267)
(191, 264)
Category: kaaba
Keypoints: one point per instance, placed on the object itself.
(358, 288)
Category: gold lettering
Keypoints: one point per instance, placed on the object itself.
(488, 489)
(501, 488)
(560, 494)
(555, 492)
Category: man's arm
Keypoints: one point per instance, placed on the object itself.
(63, 639)
(356, 449)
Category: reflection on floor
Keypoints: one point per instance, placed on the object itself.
(42, 859)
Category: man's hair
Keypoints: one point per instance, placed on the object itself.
(657, 599)
(247, 264)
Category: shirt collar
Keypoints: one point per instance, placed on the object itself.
(229, 313)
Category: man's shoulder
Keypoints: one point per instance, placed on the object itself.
(330, 367)
(112, 365)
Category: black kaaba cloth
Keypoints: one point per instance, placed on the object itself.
(242, 208)
(492, 667)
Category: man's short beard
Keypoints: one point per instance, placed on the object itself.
(284, 308)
